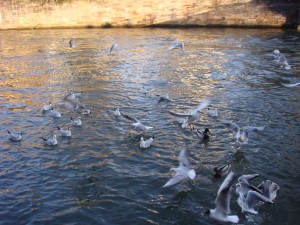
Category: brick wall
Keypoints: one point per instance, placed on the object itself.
(19, 14)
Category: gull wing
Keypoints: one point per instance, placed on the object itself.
(249, 129)
(230, 125)
(290, 85)
(252, 196)
(130, 118)
(180, 115)
(183, 158)
(203, 105)
(177, 179)
(247, 178)
(66, 105)
(223, 197)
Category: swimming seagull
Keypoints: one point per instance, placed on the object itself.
(76, 122)
(183, 172)
(212, 112)
(280, 59)
(46, 107)
(221, 171)
(117, 112)
(290, 85)
(146, 143)
(50, 141)
(241, 133)
(144, 91)
(192, 115)
(163, 97)
(54, 113)
(269, 189)
(113, 47)
(15, 136)
(65, 132)
(137, 123)
(176, 44)
(220, 213)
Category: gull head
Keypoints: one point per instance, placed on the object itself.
(276, 52)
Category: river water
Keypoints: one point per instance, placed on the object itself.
(100, 175)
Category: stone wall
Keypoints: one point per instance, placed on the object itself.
(24, 14)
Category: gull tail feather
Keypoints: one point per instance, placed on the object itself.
(233, 219)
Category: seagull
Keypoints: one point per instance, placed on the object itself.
(47, 107)
(50, 141)
(192, 115)
(65, 132)
(212, 112)
(243, 185)
(290, 85)
(146, 143)
(117, 112)
(76, 122)
(221, 171)
(15, 136)
(280, 59)
(183, 172)
(70, 96)
(143, 90)
(163, 97)
(78, 94)
(113, 47)
(269, 189)
(203, 134)
(137, 124)
(71, 44)
(241, 133)
(220, 213)
(247, 203)
(176, 44)
(54, 113)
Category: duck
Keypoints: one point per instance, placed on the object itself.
(203, 134)
(76, 122)
(50, 141)
(221, 171)
(65, 132)
(146, 143)
(15, 136)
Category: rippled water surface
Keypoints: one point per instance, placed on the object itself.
(100, 175)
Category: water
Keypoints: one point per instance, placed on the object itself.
(100, 175)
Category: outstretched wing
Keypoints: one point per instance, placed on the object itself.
(290, 85)
(177, 179)
(230, 125)
(180, 115)
(183, 158)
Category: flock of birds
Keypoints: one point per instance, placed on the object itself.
(248, 195)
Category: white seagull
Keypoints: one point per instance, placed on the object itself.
(47, 107)
(137, 123)
(54, 113)
(290, 85)
(243, 185)
(212, 112)
(281, 60)
(65, 132)
(76, 122)
(71, 43)
(50, 141)
(183, 172)
(192, 115)
(117, 112)
(15, 136)
(146, 143)
(220, 213)
(241, 133)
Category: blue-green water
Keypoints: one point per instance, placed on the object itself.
(100, 176)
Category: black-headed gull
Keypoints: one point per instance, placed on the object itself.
(241, 133)
(114, 46)
(76, 122)
(183, 172)
(15, 136)
(50, 141)
(192, 115)
(47, 107)
(177, 44)
(137, 123)
(269, 189)
(117, 112)
(65, 132)
(220, 213)
(280, 59)
(54, 113)
(212, 112)
(146, 143)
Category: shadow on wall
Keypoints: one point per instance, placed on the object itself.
(256, 13)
